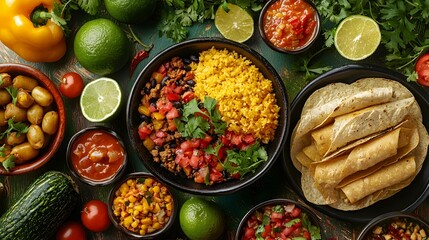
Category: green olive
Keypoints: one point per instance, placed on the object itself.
(6, 80)
(18, 114)
(50, 122)
(24, 152)
(35, 114)
(24, 99)
(24, 82)
(36, 137)
(42, 96)
(15, 138)
(5, 97)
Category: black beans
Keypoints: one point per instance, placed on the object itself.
(187, 68)
(146, 90)
(177, 104)
(145, 118)
(164, 81)
(187, 61)
(152, 83)
(190, 83)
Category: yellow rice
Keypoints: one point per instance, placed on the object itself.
(245, 97)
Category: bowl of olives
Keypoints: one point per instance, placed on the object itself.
(32, 119)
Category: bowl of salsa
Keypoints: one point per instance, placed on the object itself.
(96, 156)
(289, 26)
(279, 219)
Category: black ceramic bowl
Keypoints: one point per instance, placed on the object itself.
(296, 50)
(185, 49)
(155, 235)
(312, 216)
(386, 219)
(115, 176)
(408, 198)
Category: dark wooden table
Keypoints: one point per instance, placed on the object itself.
(273, 184)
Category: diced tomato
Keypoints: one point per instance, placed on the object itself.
(189, 76)
(194, 161)
(307, 235)
(163, 105)
(287, 231)
(195, 142)
(162, 69)
(188, 96)
(235, 176)
(236, 140)
(186, 146)
(267, 231)
(222, 153)
(215, 175)
(295, 212)
(152, 108)
(275, 216)
(200, 176)
(422, 69)
(249, 232)
(161, 134)
(249, 139)
(158, 141)
(172, 114)
(173, 97)
(297, 231)
(144, 131)
(178, 89)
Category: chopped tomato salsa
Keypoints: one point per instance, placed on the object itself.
(97, 155)
(290, 24)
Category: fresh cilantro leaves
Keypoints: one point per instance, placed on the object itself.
(178, 15)
(245, 161)
(194, 122)
(19, 127)
(13, 92)
(314, 230)
(9, 163)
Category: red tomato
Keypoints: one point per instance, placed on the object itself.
(71, 230)
(94, 216)
(422, 69)
(71, 85)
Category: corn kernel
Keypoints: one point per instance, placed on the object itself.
(142, 232)
(156, 189)
(132, 199)
(144, 110)
(148, 182)
(169, 206)
(156, 226)
(146, 221)
(130, 182)
(158, 116)
(128, 220)
(135, 224)
(139, 208)
(157, 208)
(135, 213)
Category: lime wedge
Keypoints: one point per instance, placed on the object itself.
(100, 99)
(236, 24)
(357, 37)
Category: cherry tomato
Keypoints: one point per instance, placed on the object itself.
(71, 85)
(422, 69)
(71, 230)
(94, 216)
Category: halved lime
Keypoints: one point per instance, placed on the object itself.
(100, 99)
(357, 37)
(236, 24)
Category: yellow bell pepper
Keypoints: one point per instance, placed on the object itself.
(44, 43)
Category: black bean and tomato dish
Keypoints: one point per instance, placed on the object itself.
(208, 117)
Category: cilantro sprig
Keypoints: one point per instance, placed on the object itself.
(19, 127)
(178, 15)
(245, 161)
(314, 230)
(194, 122)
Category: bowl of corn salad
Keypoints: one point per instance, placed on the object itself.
(395, 225)
(208, 116)
(142, 207)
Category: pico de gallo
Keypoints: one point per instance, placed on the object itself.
(280, 221)
(398, 230)
(290, 24)
(187, 135)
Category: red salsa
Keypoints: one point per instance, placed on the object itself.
(97, 155)
(290, 24)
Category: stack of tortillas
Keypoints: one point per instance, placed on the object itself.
(356, 144)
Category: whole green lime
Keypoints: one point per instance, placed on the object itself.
(201, 219)
(102, 47)
(131, 11)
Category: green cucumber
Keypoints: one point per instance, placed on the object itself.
(44, 206)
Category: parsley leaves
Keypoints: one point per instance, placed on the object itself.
(245, 161)
(194, 122)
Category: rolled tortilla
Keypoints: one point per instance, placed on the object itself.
(381, 179)
(330, 173)
(359, 124)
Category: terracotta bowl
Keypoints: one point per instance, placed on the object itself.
(48, 152)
